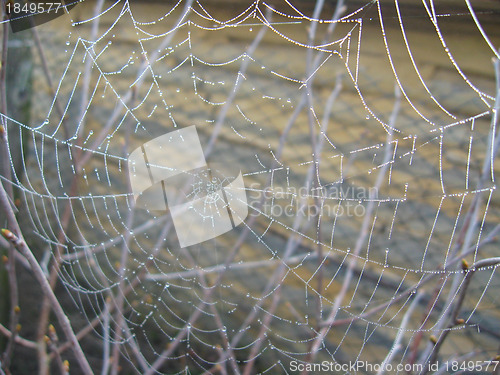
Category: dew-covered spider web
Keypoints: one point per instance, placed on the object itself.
(366, 136)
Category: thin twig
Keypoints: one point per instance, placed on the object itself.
(52, 341)
(14, 307)
(209, 292)
(423, 281)
(292, 244)
(396, 346)
(63, 320)
(19, 340)
(66, 216)
(120, 298)
(131, 94)
(48, 77)
(18, 241)
(222, 330)
(44, 315)
(452, 321)
(232, 94)
(11, 264)
(363, 231)
(471, 223)
(6, 168)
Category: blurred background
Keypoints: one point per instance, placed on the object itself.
(366, 134)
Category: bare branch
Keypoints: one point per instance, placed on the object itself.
(396, 346)
(19, 243)
(454, 312)
(18, 339)
(363, 231)
(14, 306)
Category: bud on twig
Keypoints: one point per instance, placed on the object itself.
(11, 237)
(465, 265)
(7, 234)
(52, 330)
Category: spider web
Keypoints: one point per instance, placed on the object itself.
(366, 134)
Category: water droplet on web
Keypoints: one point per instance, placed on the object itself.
(367, 117)
(178, 90)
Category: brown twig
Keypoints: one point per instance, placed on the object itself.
(455, 311)
(19, 243)
(52, 341)
(19, 340)
(48, 78)
(362, 235)
(66, 216)
(47, 290)
(471, 223)
(131, 94)
(14, 307)
(11, 262)
(52, 280)
(396, 346)
(412, 289)
(222, 330)
(6, 170)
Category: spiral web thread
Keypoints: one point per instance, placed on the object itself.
(366, 135)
